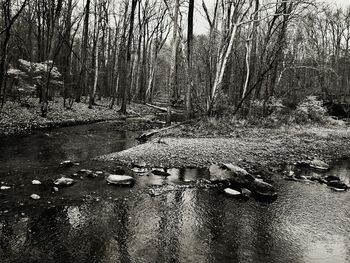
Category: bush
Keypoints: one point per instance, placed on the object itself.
(310, 110)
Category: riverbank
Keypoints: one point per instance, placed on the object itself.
(251, 148)
(19, 120)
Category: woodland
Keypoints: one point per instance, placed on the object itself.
(254, 58)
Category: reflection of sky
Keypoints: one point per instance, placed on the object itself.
(307, 223)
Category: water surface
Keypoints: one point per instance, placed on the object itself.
(95, 222)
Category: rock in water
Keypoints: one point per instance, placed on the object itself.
(246, 192)
(303, 164)
(319, 165)
(67, 163)
(337, 184)
(64, 181)
(85, 171)
(230, 172)
(232, 192)
(140, 164)
(219, 174)
(35, 196)
(160, 173)
(120, 180)
(234, 168)
(331, 178)
(263, 189)
(36, 182)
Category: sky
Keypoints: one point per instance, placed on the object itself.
(201, 24)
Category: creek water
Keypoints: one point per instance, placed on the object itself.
(95, 222)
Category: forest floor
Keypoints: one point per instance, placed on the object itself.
(249, 147)
(17, 120)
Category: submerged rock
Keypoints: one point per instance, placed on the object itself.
(120, 180)
(319, 165)
(64, 181)
(231, 192)
(35, 196)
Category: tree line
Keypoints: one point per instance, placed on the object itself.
(140, 50)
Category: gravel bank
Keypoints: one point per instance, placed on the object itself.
(269, 148)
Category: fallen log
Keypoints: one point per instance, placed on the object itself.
(145, 136)
(157, 107)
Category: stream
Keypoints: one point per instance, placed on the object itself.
(92, 221)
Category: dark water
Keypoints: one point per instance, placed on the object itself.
(95, 222)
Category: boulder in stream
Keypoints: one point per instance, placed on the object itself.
(246, 192)
(122, 180)
(68, 163)
(319, 165)
(263, 189)
(64, 181)
(139, 167)
(331, 178)
(337, 184)
(232, 192)
(86, 172)
(159, 172)
(230, 172)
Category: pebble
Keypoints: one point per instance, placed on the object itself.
(36, 182)
(35, 196)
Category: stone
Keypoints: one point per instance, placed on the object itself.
(337, 184)
(160, 173)
(319, 165)
(67, 163)
(331, 178)
(141, 164)
(230, 172)
(99, 173)
(246, 192)
(4, 187)
(85, 171)
(64, 181)
(36, 182)
(231, 192)
(139, 170)
(120, 180)
(263, 189)
(35, 196)
(303, 163)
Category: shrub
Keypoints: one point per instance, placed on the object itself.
(310, 110)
